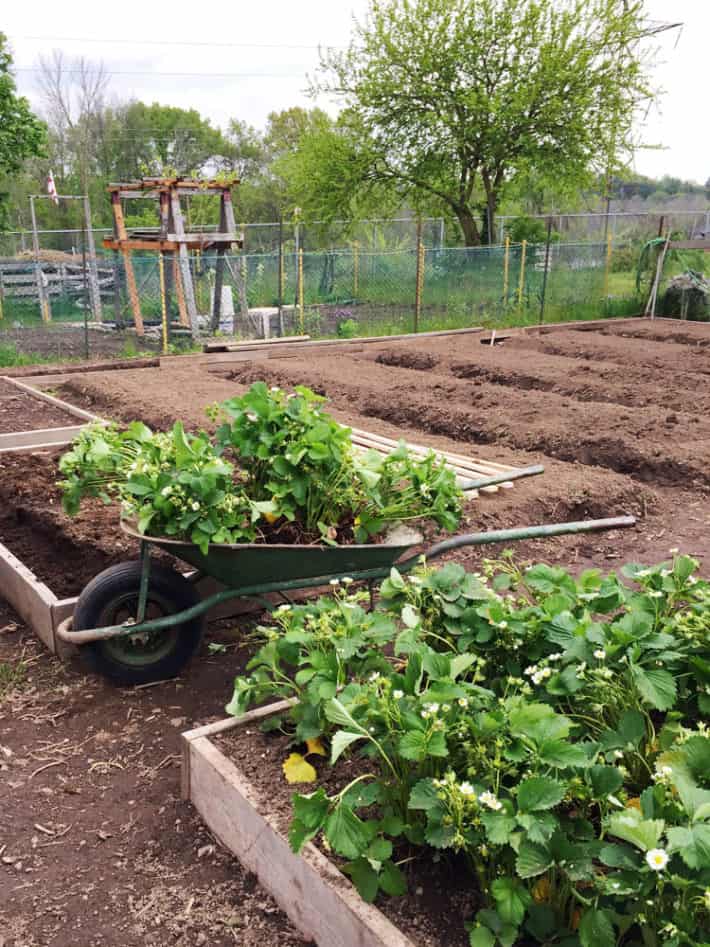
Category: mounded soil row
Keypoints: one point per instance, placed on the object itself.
(603, 381)
(646, 443)
(634, 351)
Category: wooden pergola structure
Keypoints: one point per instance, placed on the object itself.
(171, 238)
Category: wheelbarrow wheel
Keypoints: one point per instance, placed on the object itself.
(112, 598)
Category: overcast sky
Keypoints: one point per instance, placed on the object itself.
(271, 74)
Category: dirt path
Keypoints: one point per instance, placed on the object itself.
(97, 848)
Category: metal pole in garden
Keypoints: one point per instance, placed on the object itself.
(86, 292)
(117, 290)
(281, 274)
(547, 269)
(419, 276)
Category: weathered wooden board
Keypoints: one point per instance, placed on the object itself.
(29, 597)
(46, 437)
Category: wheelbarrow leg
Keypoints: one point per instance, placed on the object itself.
(145, 582)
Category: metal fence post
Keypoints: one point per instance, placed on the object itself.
(300, 292)
(543, 294)
(607, 264)
(419, 276)
(506, 270)
(356, 268)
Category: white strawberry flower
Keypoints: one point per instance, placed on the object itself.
(490, 800)
(657, 858)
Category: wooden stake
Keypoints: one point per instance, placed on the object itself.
(120, 229)
(42, 294)
(163, 303)
(521, 281)
(184, 262)
(182, 308)
(93, 274)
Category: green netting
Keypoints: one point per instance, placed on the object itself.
(345, 292)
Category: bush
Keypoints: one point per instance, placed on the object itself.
(530, 229)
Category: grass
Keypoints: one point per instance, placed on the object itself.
(11, 677)
(10, 357)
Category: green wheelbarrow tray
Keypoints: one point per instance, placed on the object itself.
(254, 570)
(244, 565)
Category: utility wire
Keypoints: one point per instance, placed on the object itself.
(193, 75)
(151, 42)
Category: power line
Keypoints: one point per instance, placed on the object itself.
(151, 42)
(191, 75)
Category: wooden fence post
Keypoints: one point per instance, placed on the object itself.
(521, 281)
(42, 293)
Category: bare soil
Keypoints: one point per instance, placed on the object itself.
(96, 847)
(23, 412)
(618, 416)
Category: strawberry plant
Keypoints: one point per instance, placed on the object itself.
(279, 469)
(547, 728)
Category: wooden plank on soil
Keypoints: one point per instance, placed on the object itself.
(318, 899)
(46, 437)
(29, 597)
(50, 399)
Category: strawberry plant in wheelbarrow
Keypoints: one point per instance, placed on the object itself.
(545, 731)
(278, 499)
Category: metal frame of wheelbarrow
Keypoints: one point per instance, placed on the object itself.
(290, 557)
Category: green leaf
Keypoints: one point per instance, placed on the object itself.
(511, 899)
(413, 745)
(559, 754)
(380, 849)
(498, 827)
(532, 860)
(341, 741)
(539, 792)
(692, 844)
(656, 686)
(364, 877)
(630, 826)
(481, 937)
(605, 780)
(348, 835)
(596, 929)
(392, 880)
(336, 712)
(424, 795)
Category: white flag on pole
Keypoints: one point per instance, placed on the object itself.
(51, 189)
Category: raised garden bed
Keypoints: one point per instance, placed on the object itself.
(232, 775)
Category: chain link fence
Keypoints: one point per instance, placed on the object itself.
(66, 303)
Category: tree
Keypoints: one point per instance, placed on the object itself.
(22, 134)
(454, 99)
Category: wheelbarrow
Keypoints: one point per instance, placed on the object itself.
(140, 621)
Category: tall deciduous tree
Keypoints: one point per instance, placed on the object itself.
(22, 134)
(452, 99)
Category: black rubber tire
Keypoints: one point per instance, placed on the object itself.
(111, 597)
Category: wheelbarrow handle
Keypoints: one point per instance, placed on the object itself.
(521, 532)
